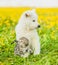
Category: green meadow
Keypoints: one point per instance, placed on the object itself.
(48, 40)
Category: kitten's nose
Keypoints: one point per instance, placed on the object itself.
(26, 50)
(38, 26)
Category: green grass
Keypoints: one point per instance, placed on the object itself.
(49, 47)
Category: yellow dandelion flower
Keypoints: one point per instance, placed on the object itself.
(0, 23)
(13, 31)
(50, 25)
(7, 49)
(1, 63)
(1, 42)
(52, 34)
(7, 23)
(40, 31)
(56, 28)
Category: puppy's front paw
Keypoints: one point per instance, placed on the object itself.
(36, 52)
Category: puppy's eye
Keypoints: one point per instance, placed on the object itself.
(33, 20)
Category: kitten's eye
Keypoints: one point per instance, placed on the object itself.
(26, 44)
(33, 20)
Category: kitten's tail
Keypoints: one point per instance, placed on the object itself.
(14, 41)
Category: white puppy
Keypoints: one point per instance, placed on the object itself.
(26, 27)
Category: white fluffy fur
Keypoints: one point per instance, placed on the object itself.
(27, 28)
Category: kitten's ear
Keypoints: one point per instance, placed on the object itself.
(14, 41)
(27, 15)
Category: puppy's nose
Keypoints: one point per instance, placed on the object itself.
(38, 26)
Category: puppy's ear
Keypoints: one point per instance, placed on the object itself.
(27, 15)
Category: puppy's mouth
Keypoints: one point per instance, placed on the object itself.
(38, 27)
(35, 27)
